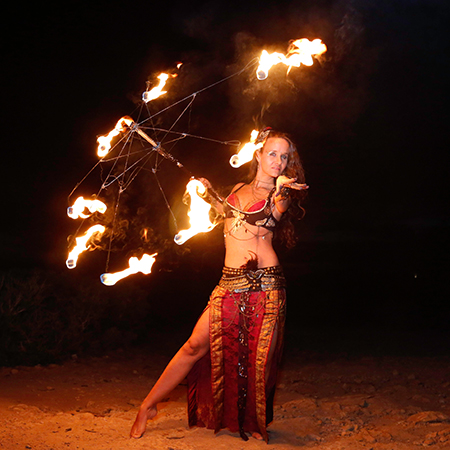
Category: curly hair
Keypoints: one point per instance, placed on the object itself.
(285, 231)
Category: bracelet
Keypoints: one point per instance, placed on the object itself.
(284, 192)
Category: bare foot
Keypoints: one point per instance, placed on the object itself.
(138, 428)
(257, 436)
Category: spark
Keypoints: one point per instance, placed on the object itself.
(198, 213)
(82, 244)
(104, 142)
(157, 91)
(245, 154)
(143, 265)
(299, 52)
(77, 210)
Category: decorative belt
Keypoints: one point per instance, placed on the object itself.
(244, 280)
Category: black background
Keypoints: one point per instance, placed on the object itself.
(370, 121)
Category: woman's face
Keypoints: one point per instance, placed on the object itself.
(273, 157)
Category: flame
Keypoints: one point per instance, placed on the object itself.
(77, 209)
(157, 91)
(104, 142)
(82, 244)
(266, 61)
(198, 213)
(136, 265)
(245, 154)
(299, 52)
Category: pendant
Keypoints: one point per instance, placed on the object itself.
(237, 221)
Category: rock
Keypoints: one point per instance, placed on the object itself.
(349, 430)
(444, 435)
(28, 409)
(312, 438)
(432, 438)
(86, 415)
(367, 436)
(134, 402)
(428, 416)
(372, 436)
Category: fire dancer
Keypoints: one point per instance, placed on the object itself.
(232, 356)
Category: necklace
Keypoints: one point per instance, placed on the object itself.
(268, 183)
(265, 186)
(255, 196)
(253, 235)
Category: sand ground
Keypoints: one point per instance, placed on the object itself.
(324, 402)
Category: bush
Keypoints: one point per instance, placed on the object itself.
(46, 317)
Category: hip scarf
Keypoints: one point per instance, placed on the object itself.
(244, 280)
(227, 387)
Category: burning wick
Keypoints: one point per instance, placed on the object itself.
(266, 61)
(77, 209)
(299, 52)
(104, 142)
(157, 91)
(136, 265)
(82, 244)
(245, 154)
(198, 213)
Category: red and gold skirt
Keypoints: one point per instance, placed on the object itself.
(232, 386)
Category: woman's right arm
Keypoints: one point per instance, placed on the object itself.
(214, 198)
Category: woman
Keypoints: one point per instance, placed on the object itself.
(232, 356)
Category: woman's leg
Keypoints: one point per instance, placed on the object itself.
(195, 348)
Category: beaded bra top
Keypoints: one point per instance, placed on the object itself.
(259, 214)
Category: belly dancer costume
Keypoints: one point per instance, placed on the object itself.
(228, 387)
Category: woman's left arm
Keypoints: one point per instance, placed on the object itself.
(281, 198)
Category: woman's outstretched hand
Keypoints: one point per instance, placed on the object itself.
(289, 183)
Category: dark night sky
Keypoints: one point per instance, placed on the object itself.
(371, 120)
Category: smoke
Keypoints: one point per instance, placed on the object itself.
(349, 33)
(218, 40)
(330, 95)
(324, 98)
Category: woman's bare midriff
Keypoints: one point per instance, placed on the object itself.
(249, 242)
